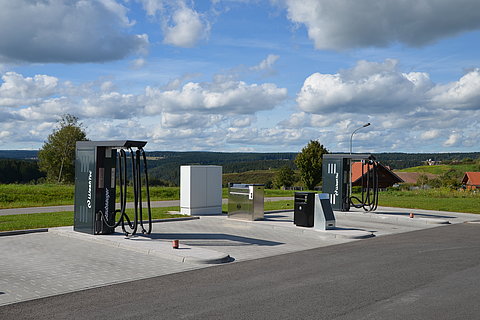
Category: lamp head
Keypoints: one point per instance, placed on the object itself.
(366, 124)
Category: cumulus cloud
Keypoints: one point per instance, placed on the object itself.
(408, 111)
(66, 31)
(461, 94)
(17, 90)
(265, 136)
(186, 28)
(344, 24)
(242, 122)
(368, 87)
(430, 134)
(375, 88)
(189, 120)
(113, 105)
(180, 115)
(182, 25)
(229, 97)
(452, 140)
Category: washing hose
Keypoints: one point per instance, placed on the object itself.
(369, 184)
(124, 220)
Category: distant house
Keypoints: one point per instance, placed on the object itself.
(412, 177)
(471, 180)
(386, 177)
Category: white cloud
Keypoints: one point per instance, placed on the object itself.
(267, 63)
(452, 140)
(344, 24)
(113, 105)
(186, 28)
(265, 136)
(430, 134)
(408, 111)
(66, 31)
(461, 94)
(152, 6)
(230, 97)
(242, 122)
(17, 90)
(369, 87)
(189, 120)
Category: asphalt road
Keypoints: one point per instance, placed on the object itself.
(427, 274)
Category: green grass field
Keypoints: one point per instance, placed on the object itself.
(15, 196)
(23, 195)
(432, 199)
(65, 218)
(442, 168)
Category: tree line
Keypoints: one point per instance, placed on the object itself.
(20, 171)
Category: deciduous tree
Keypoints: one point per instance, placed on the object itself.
(285, 177)
(57, 155)
(309, 162)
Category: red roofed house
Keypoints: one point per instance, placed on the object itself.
(386, 177)
(471, 180)
(412, 177)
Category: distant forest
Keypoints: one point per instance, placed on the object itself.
(19, 166)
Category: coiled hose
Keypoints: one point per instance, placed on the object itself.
(124, 220)
(369, 183)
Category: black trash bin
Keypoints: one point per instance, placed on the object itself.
(304, 208)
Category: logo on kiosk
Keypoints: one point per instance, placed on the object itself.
(89, 194)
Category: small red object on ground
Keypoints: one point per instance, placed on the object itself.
(411, 215)
(175, 244)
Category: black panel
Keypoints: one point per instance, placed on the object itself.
(85, 182)
(304, 204)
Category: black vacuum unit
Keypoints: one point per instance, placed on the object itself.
(337, 175)
(304, 209)
(96, 168)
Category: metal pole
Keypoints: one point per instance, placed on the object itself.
(351, 137)
(350, 175)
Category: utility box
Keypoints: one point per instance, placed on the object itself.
(95, 178)
(246, 201)
(200, 190)
(324, 219)
(304, 205)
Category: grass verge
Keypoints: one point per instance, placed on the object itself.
(42, 195)
(65, 218)
(454, 201)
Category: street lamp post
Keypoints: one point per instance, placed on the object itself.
(350, 177)
(351, 137)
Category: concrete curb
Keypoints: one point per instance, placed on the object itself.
(162, 248)
(27, 231)
(393, 218)
(17, 232)
(337, 233)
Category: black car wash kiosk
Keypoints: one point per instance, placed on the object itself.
(96, 170)
(337, 181)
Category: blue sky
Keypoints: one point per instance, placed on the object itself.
(239, 75)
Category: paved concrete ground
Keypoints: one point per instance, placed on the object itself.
(62, 261)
